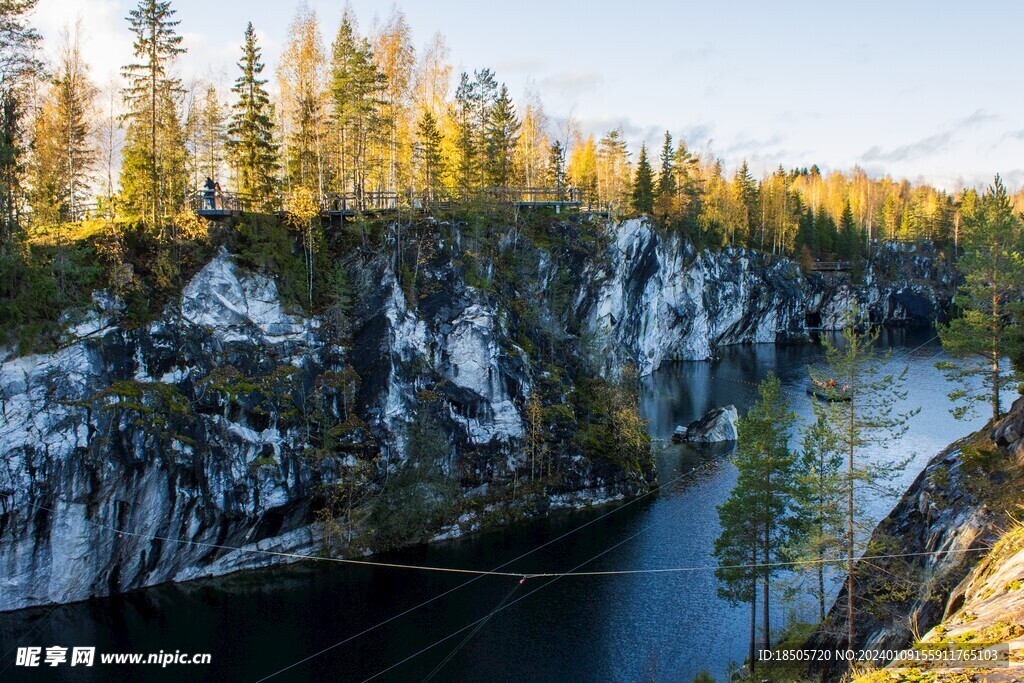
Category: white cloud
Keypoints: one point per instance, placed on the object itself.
(105, 40)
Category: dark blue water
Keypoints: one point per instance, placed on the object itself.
(650, 627)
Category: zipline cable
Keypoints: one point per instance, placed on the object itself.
(242, 549)
(675, 480)
(553, 577)
(473, 632)
(575, 572)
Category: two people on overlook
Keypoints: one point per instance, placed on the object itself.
(212, 194)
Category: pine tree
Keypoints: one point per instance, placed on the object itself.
(251, 147)
(212, 133)
(473, 103)
(819, 502)
(762, 499)
(500, 137)
(643, 184)
(356, 90)
(989, 301)
(613, 177)
(736, 549)
(428, 155)
(153, 171)
(869, 417)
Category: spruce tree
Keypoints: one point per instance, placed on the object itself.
(806, 237)
(665, 188)
(849, 237)
(747, 188)
(251, 146)
(556, 166)
(474, 100)
(989, 300)
(824, 230)
(688, 185)
(428, 154)
(465, 133)
(613, 169)
(153, 170)
(643, 184)
(212, 133)
(500, 136)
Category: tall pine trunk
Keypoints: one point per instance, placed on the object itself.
(821, 536)
(753, 612)
(995, 340)
(850, 548)
(766, 621)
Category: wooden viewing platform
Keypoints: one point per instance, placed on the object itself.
(216, 206)
(830, 266)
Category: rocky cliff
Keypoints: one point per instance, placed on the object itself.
(962, 504)
(656, 298)
(138, 455)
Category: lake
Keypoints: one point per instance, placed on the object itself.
(630, 627)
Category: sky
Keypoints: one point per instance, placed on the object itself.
(924, 90)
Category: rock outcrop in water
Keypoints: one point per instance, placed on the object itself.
(134, 456)
(715, 426)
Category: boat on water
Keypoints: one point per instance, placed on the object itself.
(828, 390)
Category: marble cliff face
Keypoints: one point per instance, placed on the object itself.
(195, 427)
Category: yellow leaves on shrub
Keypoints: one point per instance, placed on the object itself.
(190, 226)
(302, 207)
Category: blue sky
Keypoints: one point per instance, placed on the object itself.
(927, 90)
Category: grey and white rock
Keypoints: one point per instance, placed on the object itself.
(715, 426)
(80, 458)
(658, 299)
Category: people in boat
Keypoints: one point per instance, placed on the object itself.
(830, 384)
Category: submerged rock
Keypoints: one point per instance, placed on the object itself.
(716, 426)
